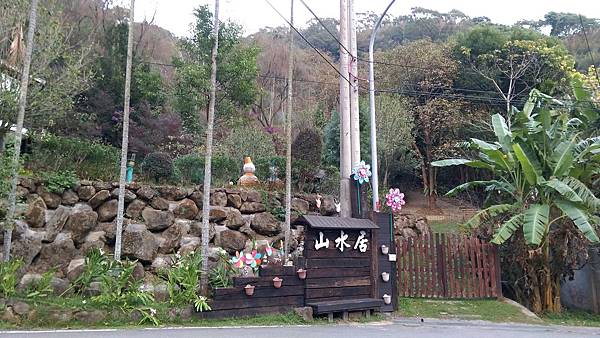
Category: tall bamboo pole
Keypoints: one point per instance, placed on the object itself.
(125, 138)
(12, 197)
(208, 158)
(288, 135)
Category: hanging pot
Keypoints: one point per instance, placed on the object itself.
(249, 290)
(301, 273)
(387, 299)
(277, 282)
(385, 249)
(385, 276)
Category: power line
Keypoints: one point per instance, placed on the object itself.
(327, 30)
(588, 48)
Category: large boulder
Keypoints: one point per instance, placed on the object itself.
(218, 198)
(251, 196)
(51, 199)
(139, 243)
(196, 230)
(197, 196)
(27, 183)
(162, 262)
(26, 248)
(252, 207)
(86, 192)
(36, 213)
(69, 197)
(100, 185)
(186, 209)
(81, 221)
(189, 244)
(171, 238)
(300, 205)
(108, 211)
(75, 268)
(145, 192)
(234, 219)
(57, 254)
(234, 201)
(328, 207)
(266, 224)
(110, 229)
(216, 214)
(134, 209)
(56, 223)
(99, 198)
(157, 220)
(128, 197)
(159, 203)
(173, 193)
(94, 240)
(231, 241)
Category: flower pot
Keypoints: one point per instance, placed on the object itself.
(387, 299)
(249, 290)
(385, 249)
(301, 273)
(385, 276)
(277, 282)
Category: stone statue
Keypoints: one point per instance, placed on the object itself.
(248, 179)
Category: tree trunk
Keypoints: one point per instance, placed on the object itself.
(288, 138)
(12, 197)
(125, 140)
(3, 133)
(208, 158)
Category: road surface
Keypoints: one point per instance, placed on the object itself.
(396, 328)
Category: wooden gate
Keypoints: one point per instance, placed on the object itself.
(448, 266)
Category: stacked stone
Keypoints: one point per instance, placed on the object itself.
(57, 230)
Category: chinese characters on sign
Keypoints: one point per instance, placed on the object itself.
(361, 243)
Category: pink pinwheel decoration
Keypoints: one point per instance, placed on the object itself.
(395, 199)
(362, 172)
(238, 260)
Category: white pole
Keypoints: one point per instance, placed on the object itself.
(288, 137)
(125, 138)
(353, 77)
(345, 139)
(374, 169)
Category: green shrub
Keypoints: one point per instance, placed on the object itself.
(43, 287)
(183, 279)
(60, 181)
(190, 169)
(264, 164)
(221, 276)
(8, 277)
(158, 166)
(307, 147)
(88, 159)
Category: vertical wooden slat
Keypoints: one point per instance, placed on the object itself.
(450, 262)
(405, 249)
(410, 268)
(427, 256)
(399, 258)
(480, 268)
(496, 270)
(441, 265)
(432, 267)
(420, 267)
(487, 272)
(463, 267)
(473, 284)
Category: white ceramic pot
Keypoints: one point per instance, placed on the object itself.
(387, 299)
(385, 249)
(385, 276)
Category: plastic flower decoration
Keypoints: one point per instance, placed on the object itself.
(238, 260)
(269, 250)
(395, 199)
(362, 172)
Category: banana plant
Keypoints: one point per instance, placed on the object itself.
(543, 165)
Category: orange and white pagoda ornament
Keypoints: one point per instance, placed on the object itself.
(248, 179)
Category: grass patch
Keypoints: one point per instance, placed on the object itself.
(444, 228)
(575, 318)
(491, 310)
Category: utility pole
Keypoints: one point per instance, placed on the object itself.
(288, 136)
(208, 157)
(353, 77)
(12, 197)
(345, 139)
(125, 139)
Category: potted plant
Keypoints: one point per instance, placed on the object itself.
(385, 249)
(385, 276)
(249, 289)
(387, 299)
(277, 282)
(301, 273)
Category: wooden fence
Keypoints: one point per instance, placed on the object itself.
(448, 266)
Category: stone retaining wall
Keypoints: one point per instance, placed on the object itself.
(56, 231)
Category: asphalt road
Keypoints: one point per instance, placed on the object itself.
(398, 328)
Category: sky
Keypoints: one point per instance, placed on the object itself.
(176, 15)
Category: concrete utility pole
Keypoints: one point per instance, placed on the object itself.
(125, 139)
(374, 168)
(288, 136)
(12, 197)
(353, 77)
(208, 157)
(345, 140)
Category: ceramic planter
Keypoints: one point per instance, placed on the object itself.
(301, 273)
(277, 282)
(385, 276)
(387, 299)
(249, 290)
(385, 250)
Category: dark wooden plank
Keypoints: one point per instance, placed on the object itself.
(266, 281)
(490, 271)
(244, 312)
(411, 268)
(239, 292)
(429, 266)
(421, 272)
(374, 273)
(466, 266)
(481, 271)
(341, 263)
(337, 272)
(441, 265)
(456, 266)
(450, 262)
(338, 292)
(331, 253)
(249, 301)
(495, 271)
(346, 305)
(405, 255)
(277, 270)
(400, 267)
(471, 266)
(328, 299)
(463, 267)
(337, 282)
